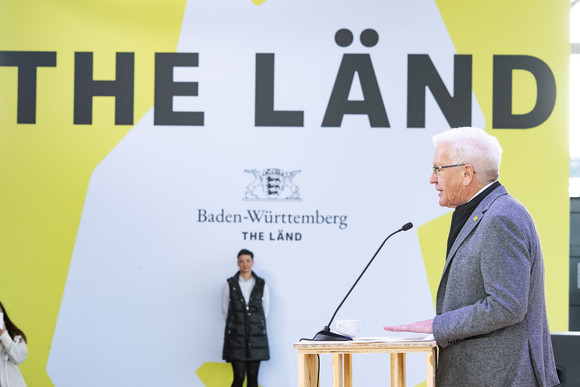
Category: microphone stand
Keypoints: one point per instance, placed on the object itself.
(325, 334)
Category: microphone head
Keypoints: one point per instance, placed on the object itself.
(407, 226)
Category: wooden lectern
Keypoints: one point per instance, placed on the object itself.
(342, 352)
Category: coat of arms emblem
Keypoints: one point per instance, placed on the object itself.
(272, 184)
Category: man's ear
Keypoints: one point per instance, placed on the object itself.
(468, 175)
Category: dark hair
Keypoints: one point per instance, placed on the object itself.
(246, 252)
(12, 329)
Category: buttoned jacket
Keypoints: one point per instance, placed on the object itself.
(491, 323)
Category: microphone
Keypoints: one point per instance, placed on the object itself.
(325, 334)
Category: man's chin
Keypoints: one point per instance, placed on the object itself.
(442, 200)
(445, 203)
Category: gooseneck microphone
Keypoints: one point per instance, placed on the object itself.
(325, 334)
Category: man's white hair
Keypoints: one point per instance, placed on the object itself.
(475, 147)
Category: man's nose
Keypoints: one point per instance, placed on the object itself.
(433, 178)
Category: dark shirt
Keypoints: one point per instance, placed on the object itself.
(463, 212)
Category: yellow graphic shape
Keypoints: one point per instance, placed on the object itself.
(497, 27)
(433, 241)
(45, 167)
(216, 374)
(258, 2)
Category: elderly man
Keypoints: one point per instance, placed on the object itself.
(490, 324)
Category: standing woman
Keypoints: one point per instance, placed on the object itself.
(245, 305)
(13, 351)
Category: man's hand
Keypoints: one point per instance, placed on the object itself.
(425, 326)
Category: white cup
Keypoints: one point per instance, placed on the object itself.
(348, 328)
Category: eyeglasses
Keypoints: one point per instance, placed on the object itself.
(437, 169)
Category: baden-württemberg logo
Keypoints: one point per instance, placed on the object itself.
(272, 184)
(262, 223)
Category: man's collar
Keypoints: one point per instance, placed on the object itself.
(480, 191)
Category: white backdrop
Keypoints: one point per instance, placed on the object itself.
(141, 305)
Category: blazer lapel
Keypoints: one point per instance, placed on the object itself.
(473, 221)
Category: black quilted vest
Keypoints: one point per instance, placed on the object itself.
(245, 335)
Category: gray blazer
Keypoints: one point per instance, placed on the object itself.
(491, 323)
